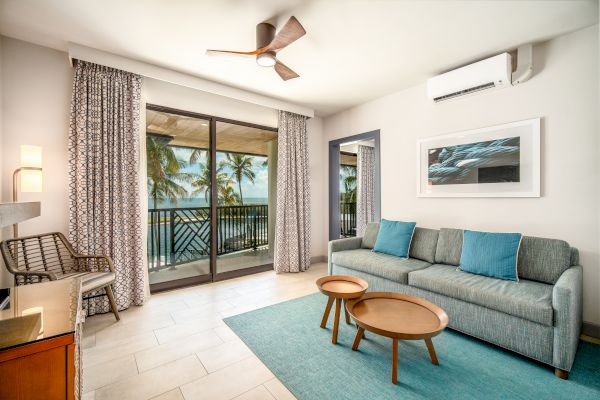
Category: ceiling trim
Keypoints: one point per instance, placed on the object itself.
(84, 53)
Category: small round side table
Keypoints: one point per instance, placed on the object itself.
(340, 289)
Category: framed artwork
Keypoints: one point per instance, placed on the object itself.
(498, 161)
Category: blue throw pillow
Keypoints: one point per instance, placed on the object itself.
(491, 254)
(394, 238)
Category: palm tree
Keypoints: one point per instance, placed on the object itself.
(348, 176)
(164, 171)
(201, 184)
(197, 154)
(164, 175)
(227, 196)
(241, 165)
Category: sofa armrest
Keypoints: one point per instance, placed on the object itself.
(352, 243)
(567, 302)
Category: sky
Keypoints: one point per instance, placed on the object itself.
(257, 190)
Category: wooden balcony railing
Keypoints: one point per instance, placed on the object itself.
(182, 235)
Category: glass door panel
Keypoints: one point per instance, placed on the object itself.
(246, 173)
(348, 190)
(179, 186)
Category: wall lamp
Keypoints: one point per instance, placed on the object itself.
(31, 175)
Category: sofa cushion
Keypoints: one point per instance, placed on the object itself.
(492, 254)
(424, 243)
(394, 237)
(543, 260)
(383, 265)
(370, 235)
(526, 299)
(449, 246)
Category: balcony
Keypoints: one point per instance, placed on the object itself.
(179, 239)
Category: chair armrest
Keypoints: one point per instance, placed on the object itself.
(352, 243)
(567, 302)
(30, 274)
(95, 263)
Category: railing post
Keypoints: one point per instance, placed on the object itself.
(152, 258)
(254, 222)
(172, 226)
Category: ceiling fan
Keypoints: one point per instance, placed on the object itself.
(268, 44)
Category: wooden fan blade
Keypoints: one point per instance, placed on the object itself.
(291, 31)
(284, 72)
(232, 53)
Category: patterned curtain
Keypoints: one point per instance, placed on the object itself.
(365, 196)
(104, 167)
(292, 237)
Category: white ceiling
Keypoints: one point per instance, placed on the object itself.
(354, 51)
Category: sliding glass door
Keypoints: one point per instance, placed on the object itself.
(245, 165)
(211, 187)
(179, 201)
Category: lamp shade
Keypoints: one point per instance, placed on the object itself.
(31, 157)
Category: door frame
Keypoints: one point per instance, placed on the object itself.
(213, 275)
(334, 178)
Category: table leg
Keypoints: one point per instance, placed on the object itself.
(336, 321)
(432, 354)
(394, 361)
(327, 310)
(346, 312)
(359, 335)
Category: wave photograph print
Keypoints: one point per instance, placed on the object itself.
(492, 161)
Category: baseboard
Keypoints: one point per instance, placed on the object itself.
(591, 329)
(318, 259)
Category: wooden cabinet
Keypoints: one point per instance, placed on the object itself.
(41, 370)
(39, 357)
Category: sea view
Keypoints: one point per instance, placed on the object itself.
(199, 202)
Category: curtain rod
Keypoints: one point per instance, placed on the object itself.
(84, 53)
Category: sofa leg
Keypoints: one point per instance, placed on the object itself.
(561, 373)
(111, 299)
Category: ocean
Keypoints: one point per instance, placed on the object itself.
(199, 202)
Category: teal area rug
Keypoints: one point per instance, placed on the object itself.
(288, 339)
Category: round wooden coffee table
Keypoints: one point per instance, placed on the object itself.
(339, 288)
(397, 316)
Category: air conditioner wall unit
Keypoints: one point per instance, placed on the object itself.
(493, 72)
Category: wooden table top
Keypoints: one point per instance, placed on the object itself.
(342, 287)
(397, 315)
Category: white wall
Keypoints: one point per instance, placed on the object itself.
(36, 89)
(317, 162)
(564, 93)
(170, 95)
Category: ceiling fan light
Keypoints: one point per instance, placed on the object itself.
(266, 59)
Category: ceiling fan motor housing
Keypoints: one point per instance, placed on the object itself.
(265, 33)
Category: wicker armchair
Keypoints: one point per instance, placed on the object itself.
(50, 257)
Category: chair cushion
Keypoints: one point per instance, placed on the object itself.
(449, 246)
(492, 254)
(91, 280)
(424, 243)
(383, 265)
(370, 236)
(525, 299)
(543, 260)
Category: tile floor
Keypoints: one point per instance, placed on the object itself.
(177, 346)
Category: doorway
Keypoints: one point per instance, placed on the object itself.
(354, 184)
(211, 185)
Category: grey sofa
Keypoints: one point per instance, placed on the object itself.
(539, 316)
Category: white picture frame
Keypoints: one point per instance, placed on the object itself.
(448, 178)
